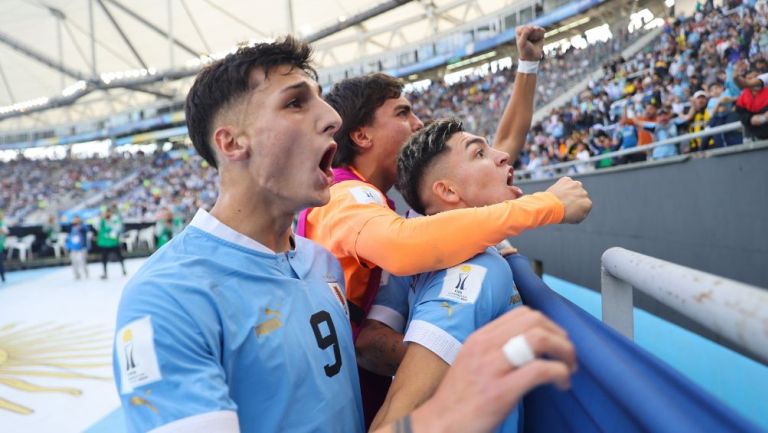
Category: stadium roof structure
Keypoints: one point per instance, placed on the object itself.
(62, 62)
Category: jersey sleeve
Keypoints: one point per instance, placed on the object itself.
(167, 370)
(456, 302)
(391, 304)
(362, 226)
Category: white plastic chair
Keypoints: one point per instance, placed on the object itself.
(23, 246)
(129, 238)
(59, 245)
(147, 235)
(10, 243)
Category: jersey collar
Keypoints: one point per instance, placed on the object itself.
(211, 225)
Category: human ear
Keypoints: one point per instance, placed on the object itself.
(446, 191)
(361, 137)
(230, 146)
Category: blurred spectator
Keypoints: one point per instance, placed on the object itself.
(697, 118)
(3, 233)
(582, 154)
(663, 128)
(108, 240)
(604, 144)
(752, 103)
(164, 228)
(51, 230)
(77, 245)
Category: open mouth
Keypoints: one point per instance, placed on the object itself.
(327, 160)
(510, 177)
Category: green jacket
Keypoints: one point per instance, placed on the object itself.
(163, 232)
(2, 236)
(109, 233)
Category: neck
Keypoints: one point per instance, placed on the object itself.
(373, 173)
(436, 208)
(253, 215)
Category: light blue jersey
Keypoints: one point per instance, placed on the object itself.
(447, 306)
(391, 304)
(217, 332)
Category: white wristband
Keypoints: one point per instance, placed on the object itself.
(528, 66)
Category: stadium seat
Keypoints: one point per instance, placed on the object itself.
(129, 238)
(59, 245)
(10, 242)
(23, 246)
(147, 235)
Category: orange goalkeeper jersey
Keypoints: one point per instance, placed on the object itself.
(362, 232)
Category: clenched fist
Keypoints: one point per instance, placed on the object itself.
(574, 197)
(530, 42)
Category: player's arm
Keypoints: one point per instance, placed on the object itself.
(481, 387)
(416, 381)
(153, 331)
(516, 120)
(744, 82)
(374, 234)
(440, 322)
(410, 246)
(379, 345)
(379, 348)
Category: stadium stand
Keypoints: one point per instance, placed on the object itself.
(30, 188)
(685, 77)
(479, 100)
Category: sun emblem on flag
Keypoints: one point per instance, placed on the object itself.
(32, 355)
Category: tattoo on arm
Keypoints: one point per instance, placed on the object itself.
(403, 425)
(384, 353)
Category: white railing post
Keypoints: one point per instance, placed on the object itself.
(734, 311)
(617, 304)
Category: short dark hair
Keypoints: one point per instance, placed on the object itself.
(356, 100)
(418, 153)
(226, 80)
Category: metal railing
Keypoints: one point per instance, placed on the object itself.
(735, 311)
(735, 126)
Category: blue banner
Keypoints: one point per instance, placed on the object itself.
(619, 386)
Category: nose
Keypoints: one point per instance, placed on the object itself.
(416, 123)
(501, 158)
(330, 121)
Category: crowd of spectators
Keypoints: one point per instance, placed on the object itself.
(35, 187)
(177, 182)
(480, 100)
(685, 81)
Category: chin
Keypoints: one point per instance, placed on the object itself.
(320, 199)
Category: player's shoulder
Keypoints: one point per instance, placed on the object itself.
(465, 282)
(317, 255)
(489, 261)
(172, 274)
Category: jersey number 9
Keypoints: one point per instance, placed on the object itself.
(327, 341)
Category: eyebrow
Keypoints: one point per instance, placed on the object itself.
(302, 85)
(474, 140)
(406, 107)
